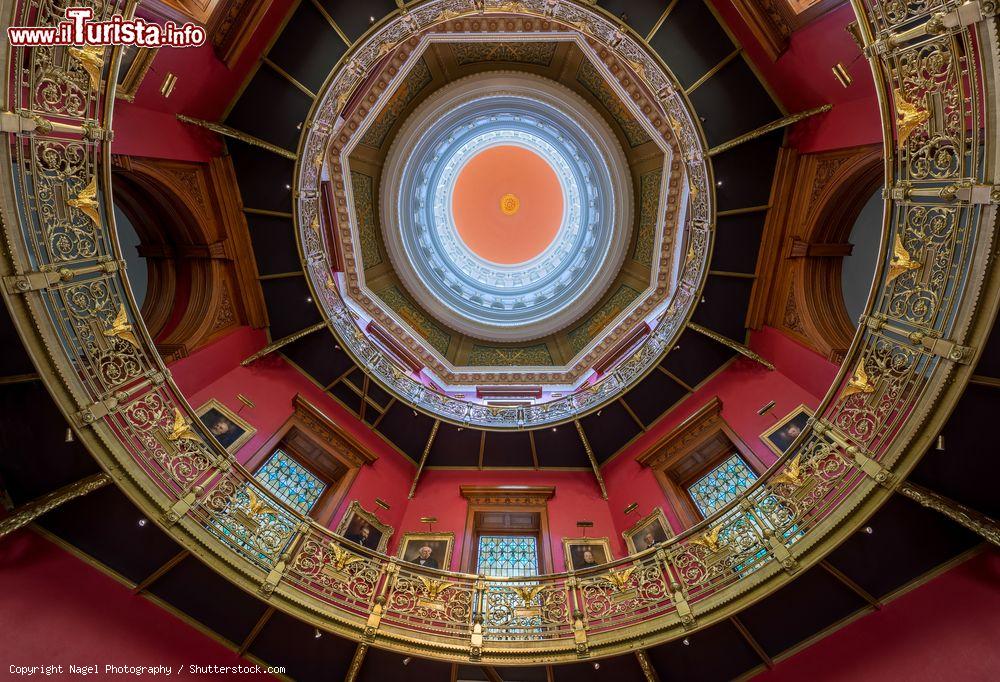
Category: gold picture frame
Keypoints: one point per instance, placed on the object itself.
(655, 523)
(354, 521)
(780, 436)
(231, 431)
(131, 77)
(575, 548)
(441, 545)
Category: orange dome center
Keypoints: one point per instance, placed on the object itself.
(507, 204)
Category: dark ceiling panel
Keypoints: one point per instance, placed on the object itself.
(315, 355)
(382, 666)
(965, 470)
(264, 177)
(212, 600)
(560, 447)
(378, 394)
(641, 15)
(407, 430)
(610, 431)
(105, 525)
(989, 361)
(907, 540)
(14, 360)
(308, 47)
(273, 242)
(746, 172)
(34, 455)
(290, 643)
(354, 18)
(270, 108)
(695, 357)
(348, 396)
(691, 41)
(800, 609)
(733, 102)
(654, 395)
(737, 242)
(507, 449)
(724, 306)
(289, 305)
(700, 659)
(455, 446)
(620, 669)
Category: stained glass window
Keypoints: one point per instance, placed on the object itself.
(721, 485)
(507, 556)
(295, 485)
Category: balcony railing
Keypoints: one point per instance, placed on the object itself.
(930, 309)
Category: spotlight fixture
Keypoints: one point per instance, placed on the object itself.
(406, 661)
(382, 503)
(287, 186)
(317, 634)
(309, 299)
(631, 508)
(867, 530)
(371, 20)
(142, 523)
(686, 642)
(718, 183)
(940, 443)
(414, 413)
(69, 435)
(597, 666)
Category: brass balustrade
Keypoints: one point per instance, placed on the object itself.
(927, 318)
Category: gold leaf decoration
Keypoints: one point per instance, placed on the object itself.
(91, 58)
(859, 382)
(901, 261)
(791, 474)
(181, 429)
(86, 202)
(527, 593)
(121, 328)
(620, 579)
(709, 538)
(909, 117)
(342, 558)
(435, 588)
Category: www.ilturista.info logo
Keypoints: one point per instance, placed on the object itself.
(80, 29)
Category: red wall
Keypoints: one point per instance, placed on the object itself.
(743, 387)
(57, 610)
(945, 630)
(205, 87)
(801, 79)
(577, 498)
(271, 384)
(804, 366)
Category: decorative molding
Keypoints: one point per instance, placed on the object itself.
(24, 515)
(529, 496)
(331, 433)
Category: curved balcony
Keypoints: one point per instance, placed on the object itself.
(934, 297)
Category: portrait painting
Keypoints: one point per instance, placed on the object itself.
(429, 550)
(362, 527)
(583, 553)
(231, 431)
(648, 532)
(780, 436)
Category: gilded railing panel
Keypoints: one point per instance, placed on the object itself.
(932, 304)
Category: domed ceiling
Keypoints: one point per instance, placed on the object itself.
(506, 235)
(420, 368)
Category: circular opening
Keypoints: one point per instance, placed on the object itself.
(507, 204)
